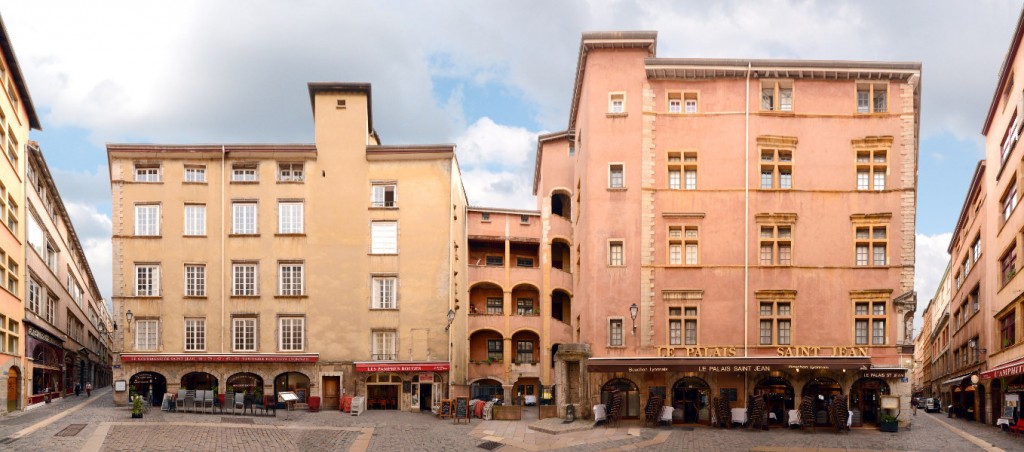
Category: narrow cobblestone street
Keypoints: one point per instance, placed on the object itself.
(109, 428)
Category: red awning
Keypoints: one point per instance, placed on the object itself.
(240, 358)
(1015, 367)
(374, 366)
(726, 364)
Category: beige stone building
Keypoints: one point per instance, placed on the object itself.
(326, 269)
(67, 324)
(17, 116)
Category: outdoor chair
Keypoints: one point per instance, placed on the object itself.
(208, 400)
(259, 404)
(189, 404)
(179, 401)
(229, 402)
(248, 405)
(239, 401)
(200, 402)
(269, 404)
(1017, 429)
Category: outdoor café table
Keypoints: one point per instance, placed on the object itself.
(1003, 423)
(794, 417)
(739, 415)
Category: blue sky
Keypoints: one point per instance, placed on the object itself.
(486, 76)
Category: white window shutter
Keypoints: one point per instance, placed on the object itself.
(384, 237)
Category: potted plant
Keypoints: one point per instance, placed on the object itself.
(889, 423)
(137, 408)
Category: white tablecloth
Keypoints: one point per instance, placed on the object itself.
(599, 413)
(1003, 421)
(772, 416)
(739, 415)
(849, 419)
(666, 413)
(530, 400)
(794, 417)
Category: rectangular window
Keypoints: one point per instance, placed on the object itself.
(524, 306)
(872, 97)
(244, 218)
(147, 220)
(675, 332)
(615, 332)
(195, 219)
(244, 172)
(524, 352)
(1008, 264)
(870, 314)
(195, 335)
(1009, 201)
(494, 261)
(384, 237)
(616, 178)
(776, 169)
(871, 165)
(861, 327)
(776, 245)
(384, 295)
(617, 103)
(675, 105)
(870, 246)
(244, 282)
(290, 217)
(766, 332)
(290, 172)
(674, 179)
(290, 333)
(147, 173)
(775, 323)
(147, 333)
(878, 332)
(495, 350)
(777, 95)
(494, 305)
(524, 219)
(1008, 330)
(243, 334)
(195, 280)
(51, 305)
(976, 247)
(383, 195)
(147, 280)
(690, 325)
(1010, 137)
(385, 346)
(690, 179)
(195, 174)
(524, 262)
(290, 279)
(35, 296)
(675, 254)
(615, 257)
(690, 102)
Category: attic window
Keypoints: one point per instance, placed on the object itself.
(341, 104)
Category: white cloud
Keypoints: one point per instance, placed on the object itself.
(931, 261)
(497, 164)
(94, 232)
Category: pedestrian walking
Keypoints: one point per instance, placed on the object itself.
(88, 389)
(78, 389)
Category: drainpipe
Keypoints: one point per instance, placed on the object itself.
(223, 240)
(746, 219)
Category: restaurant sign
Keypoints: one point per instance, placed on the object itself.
(728, 351)
(402, 367)
(886, 373)
(1014, 368)
(220, 358)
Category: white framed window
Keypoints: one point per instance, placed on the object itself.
(384, 292)
(674, 179)
(195, 174)
(51, 305)
(244, 218)
(243, 334)
(147, 280)
(195, 280)
(195, 335)
(195, 219)
(290, 217)
(147, 334)
(290, 279)
(616, 103)
(616, 253)
(675, 332)
(615, 332)
(244, 281)
(690, 105)
(384, 237)
(384, 345)
(147, 173)
(690, 179)
(35, 235)
(675, 254)
(291, 172)
(244, 172)
(383, 195)
(290, 333)
(675, 106)
(616, 175)
(147, 219)
(35, 296)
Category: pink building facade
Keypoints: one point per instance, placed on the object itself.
(716, 229)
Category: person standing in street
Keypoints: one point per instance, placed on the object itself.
(88, 389)
(78, 389)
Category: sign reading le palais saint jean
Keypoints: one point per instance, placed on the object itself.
(730, 351)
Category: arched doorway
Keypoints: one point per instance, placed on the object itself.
(997, 402)
(966, 396)
(198, 381)
(486, 389)
(630, 397)
(823, 390)
(866, 397)
(13, 389)
(980, 397)
(150, 385)
(780, 396)
(246, 382)
(292, 381)
(382, 391)
(690, 400)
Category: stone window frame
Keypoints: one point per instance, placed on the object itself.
(782, 160)
(776, 299)
(871, 299)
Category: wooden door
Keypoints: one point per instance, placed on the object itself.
(12, 390)
(331, 393)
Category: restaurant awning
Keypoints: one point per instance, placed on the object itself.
(393, 366)
(1015, 367)
(239, 358)
(730, 364)
(956, 380)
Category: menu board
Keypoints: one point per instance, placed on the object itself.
(462, 409)
(446, 409)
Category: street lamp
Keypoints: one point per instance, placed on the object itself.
(451, 318)
(632, 314)
(973, 344)
(128, 316)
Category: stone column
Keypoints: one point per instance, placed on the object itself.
(571, 356)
